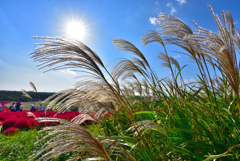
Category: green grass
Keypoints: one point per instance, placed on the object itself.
(19, 146)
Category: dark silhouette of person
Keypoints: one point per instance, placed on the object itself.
(17, 106)
(33, 109)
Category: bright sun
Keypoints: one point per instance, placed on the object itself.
(76, 30)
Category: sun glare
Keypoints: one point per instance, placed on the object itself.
(76, 30)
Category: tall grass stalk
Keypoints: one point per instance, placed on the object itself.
(169, 119)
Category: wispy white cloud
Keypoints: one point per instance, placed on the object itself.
(190, 80)
(0, 60)
(169, 4)
(177, 56)
(69, 72)
(153, 20)
(173, 10)
(181, 1)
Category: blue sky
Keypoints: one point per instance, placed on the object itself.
(105, 20)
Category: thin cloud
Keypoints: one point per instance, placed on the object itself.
(153, 20)
(173, 10)
(169, 4)
(190, 80)
(177, 56)
(68, 71)
(181, 1)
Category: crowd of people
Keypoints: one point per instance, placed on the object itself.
(18, 107)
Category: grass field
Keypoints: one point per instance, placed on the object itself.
(21, 146)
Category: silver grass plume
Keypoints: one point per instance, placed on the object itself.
(137, 66)
(144, 126)
(66, 138)
(81, 118)
(176, 32)
(124, 68)
(61, 53)
(123, 45)
(152, 36)
(66, 99)
(25, 93)
(222, 48)
(33, 86)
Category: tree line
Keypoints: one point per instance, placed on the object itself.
(18, 96)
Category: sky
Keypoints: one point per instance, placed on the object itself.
(102, 20)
